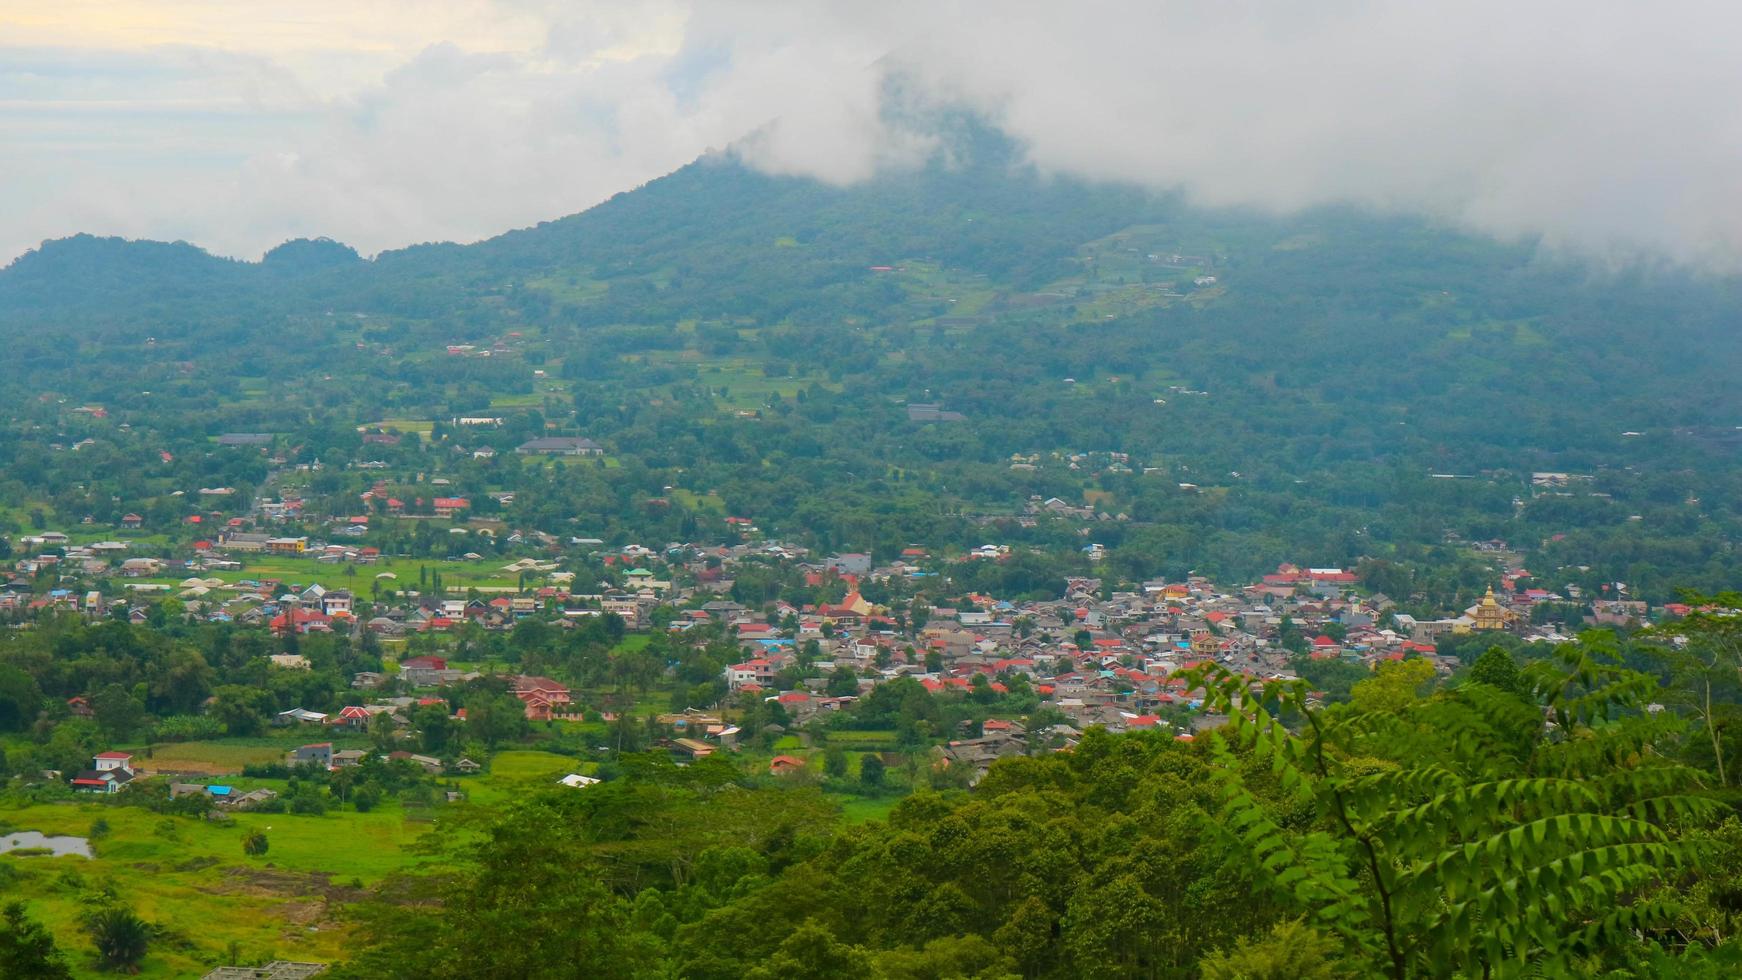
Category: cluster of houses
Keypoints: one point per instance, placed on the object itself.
(1112, 659)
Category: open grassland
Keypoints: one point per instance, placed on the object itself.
(190, 878)
(398, 574)
(515, 774)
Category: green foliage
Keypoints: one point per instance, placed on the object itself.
(254, 843)
(1394, 685)
(1291, 951)
(1457, 831)
(26, 948)
(120, 936)
(1498, 670)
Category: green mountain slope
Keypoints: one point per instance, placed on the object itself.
(1307, 375)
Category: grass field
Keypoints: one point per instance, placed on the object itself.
(859, 809)
(457, 576)
(191, 878)
(514, 774)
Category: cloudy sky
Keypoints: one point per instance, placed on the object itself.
(1605, 127)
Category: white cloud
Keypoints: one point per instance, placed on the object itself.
(1601, 126)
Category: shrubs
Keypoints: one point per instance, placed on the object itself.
(255, 844)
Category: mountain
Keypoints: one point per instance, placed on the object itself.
(1305, 376)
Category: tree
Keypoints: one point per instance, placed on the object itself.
(871, 771)
(488, 928)
(835, 761)
(1292, 951)
(254, 843)
(26, 948)
(435, 727)
(117, 712)
(1496, 668)
(240, 708)
(1459, 833)
(812, 951)
(843, 683)
(20, 699)
(120, 936)
(382, 733)
(495, 717)
(1394, 685)
(1704, 655)
(1109, 928)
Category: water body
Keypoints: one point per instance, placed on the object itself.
(59, 845)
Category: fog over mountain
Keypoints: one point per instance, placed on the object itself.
(1604, 128)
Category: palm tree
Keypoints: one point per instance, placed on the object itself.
(120, 936)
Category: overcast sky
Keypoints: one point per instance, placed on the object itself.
(1612, 128)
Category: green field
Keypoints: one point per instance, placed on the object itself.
(514, 774)
(190, 877)
(859, 809)
(457, 576)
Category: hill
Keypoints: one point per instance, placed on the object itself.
(1242, 388)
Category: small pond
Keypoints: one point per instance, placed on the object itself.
(32, 839)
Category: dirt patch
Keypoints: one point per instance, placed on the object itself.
(308, 900)
(172, 768)
(279, 883)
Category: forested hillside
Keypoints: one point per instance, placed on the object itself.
(1241, 388)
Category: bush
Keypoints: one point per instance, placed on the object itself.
(308, 805)
(255, 844)
(366, 798)
(267, 770)
(186, 728)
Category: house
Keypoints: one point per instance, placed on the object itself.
(759, 671)
(245, 439)
(299, 716)
(450, 506)
(561, 446)
(110, 772)
(781, 765)
(423, 671)
(690, 749)
(317, 754)
(302, 620)
(850, 564)
(427, 763)
(348, 758)
(353, 716)
(931, 412)
(243, 541)
(132, 522)
(542, 696)
(250, 800)
(466, 767)
(575, 780)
